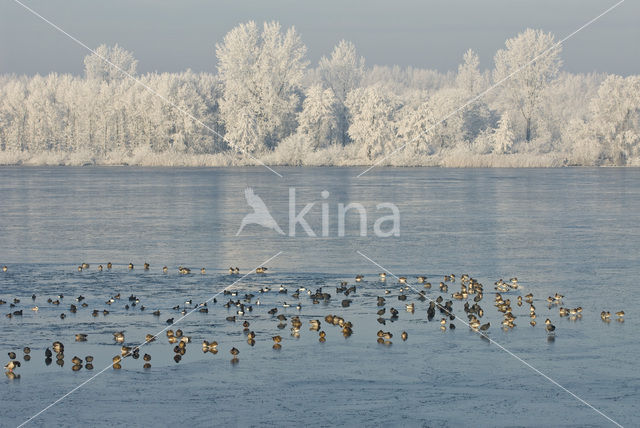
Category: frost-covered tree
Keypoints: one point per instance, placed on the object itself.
(342, 72)
(13, 115)
(469, 79)
(584, 147)
(615, 120)
(415, 128)
(503, 136)
(96, 68)
(318, 120)
(565, 104)
(439, 123)
(523, 88)
(477, 116)
(372, 126)
(445, 122)
(261, 75)
(188, 93)
(45, 115)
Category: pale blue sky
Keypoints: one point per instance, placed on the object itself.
(171, 35)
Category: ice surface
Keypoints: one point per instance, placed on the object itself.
(572, 231)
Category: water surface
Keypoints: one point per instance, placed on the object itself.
(572, 231)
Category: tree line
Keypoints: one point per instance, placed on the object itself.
(266, 101)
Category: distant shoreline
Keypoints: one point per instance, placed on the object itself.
(322, 158)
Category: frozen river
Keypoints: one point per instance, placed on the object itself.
(570, 231)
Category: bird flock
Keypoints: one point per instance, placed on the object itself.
(465, 290)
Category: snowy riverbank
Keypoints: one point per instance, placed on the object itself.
(328, 157)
